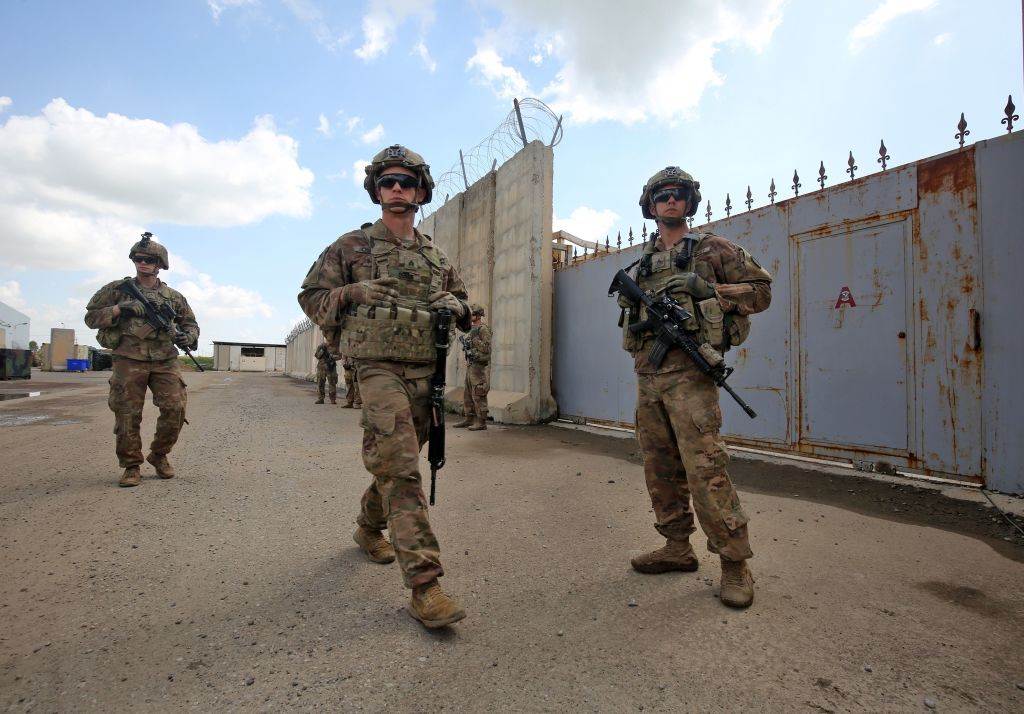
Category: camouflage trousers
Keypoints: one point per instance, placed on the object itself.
(396, 423)
(351, 386)
(474, 393)
(128, 385)
(678, 420)
(324, 377)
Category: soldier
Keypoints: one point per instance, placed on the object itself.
(326, 373)
(348, 365)
(477, 347)
(373, 292)
(677, 412)
(143, 357)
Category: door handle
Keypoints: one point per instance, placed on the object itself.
(974, 320)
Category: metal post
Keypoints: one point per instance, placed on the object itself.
(558, 126)
(519, 116)
(465, 181)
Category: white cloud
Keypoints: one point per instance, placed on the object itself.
(506, 81)
(942, 39)
(359, 172)
(10, 294)
(219, 6)
(222, 302)
(309, 13)
(324, 127)
(373, 135)
(875, 23)
(421, 50)
(353, 124)
(4, 103)
(75, 183)
(382, 20)
(610, 61)
(587, 223)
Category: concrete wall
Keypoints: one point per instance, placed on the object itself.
(61, 349)
(300, 360)
(498, 234)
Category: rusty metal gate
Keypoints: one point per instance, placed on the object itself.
(872, 349)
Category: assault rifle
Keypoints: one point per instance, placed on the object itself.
(435, 446)
(467, 350)
(159, 318)
(665, 318)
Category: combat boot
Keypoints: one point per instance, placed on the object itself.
(333, 400)
(433, 606)
(737, 584)
(347, 404)
(478, 425)
(467, 420)
(162, 465)
(130, 477)
(674, 555)
(374, 544)
(358, 405)
(319, 400)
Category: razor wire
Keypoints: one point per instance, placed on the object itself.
(529, 120)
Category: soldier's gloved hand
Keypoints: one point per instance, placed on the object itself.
(471, 356)
(378, 293)
(183, 340)
(691, 284)
(131, 308)
(444, 299)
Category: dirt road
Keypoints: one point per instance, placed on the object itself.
(236, 586)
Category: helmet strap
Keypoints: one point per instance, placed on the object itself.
(400, 207)
(670, 222)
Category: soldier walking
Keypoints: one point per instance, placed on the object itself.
(678, 418)
(373, 292)
(326, 373)
(352, 400)
(143, 357)
(476, 345)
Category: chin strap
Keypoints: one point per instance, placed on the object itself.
(400, 207)
(671, 222)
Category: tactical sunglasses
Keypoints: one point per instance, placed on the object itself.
(677, 192)
(389, 181)
(147, 259)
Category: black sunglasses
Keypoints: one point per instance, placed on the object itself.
(147, 259)
(406, 182)
(677, 192)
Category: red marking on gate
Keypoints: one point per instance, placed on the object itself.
(845, 298)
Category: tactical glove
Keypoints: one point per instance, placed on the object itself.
(183, 340)
(691, 284)
(378, 293)
(444, 299)
(132, 308)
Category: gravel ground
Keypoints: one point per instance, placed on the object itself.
(236, 586)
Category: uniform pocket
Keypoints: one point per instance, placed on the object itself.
(712, 322)
(737, 327)
(735, 519)
(707, 420)
(378, 420)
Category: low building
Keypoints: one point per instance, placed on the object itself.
(14, 328)
(248, 357)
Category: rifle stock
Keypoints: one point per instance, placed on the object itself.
(665, 319)
(435, 447)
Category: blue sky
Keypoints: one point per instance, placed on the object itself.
(236, 130)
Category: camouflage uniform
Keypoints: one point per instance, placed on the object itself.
(142, 358)
(326, 373)
(478, 373)
(678, 418)
(394, 355)
(348, 365)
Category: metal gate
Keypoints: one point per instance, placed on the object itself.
(872, 348)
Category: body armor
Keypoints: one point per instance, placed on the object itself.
(403, 333)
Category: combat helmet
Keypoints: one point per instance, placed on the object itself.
(147, 246)
(476, 309)
(670, 175)
(398, 155)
